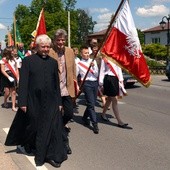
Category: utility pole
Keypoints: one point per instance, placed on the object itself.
(69, 45)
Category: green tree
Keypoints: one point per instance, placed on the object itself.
(141, 36)
(155, 51)
(56, 16)
(85, 26)
(69, 5)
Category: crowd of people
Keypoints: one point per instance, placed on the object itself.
(46, 82)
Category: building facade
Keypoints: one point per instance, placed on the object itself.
(156, 35)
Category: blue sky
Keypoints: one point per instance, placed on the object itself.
(146, 13)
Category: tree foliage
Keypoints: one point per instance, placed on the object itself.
(155, 51)
(56, 16)
(141, 36)
(69, 5)
(85, 26)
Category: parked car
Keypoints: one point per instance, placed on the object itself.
(128, 79)
(167, 72)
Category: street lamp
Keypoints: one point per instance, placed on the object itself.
(163, 24)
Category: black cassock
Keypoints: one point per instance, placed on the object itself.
(41, 126)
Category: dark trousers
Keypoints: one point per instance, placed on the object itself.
(67, 104)
(90, 91)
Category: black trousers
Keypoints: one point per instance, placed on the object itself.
(67, 104)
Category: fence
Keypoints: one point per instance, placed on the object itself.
(157, 69)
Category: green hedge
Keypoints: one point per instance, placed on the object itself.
(155, 51)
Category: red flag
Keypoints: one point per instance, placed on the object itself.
(41, 27)
(123, 46)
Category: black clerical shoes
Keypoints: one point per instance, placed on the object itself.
(53, 163)
(69, 151)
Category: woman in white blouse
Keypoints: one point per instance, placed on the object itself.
(111, 77)
(10, 76)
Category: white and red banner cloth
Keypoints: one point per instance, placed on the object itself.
(123, 46)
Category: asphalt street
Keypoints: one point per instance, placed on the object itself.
(144, 146)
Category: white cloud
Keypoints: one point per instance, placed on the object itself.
(102, 21)
(2, 27)
(105, 17)
(98, 10)
(156, 10)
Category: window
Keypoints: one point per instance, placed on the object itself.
(155, 40)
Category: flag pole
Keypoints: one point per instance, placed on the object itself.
(101, 45)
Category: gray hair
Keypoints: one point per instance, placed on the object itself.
(60, 32)
(43, 38)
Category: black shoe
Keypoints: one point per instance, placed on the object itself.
(68, 129)
(123, 125)
(86, 121)
(104, 118)
(28, 149)
(53, 163)
(95, 128)
(69, 151)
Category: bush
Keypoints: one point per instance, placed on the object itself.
(153, 63)
(155, 51)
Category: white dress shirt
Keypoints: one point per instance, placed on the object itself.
(92, 74)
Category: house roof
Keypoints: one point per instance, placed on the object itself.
(157, 28)
(98, 33)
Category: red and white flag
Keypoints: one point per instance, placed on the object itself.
(123, 46)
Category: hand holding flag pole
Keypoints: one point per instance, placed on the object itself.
(100, 46)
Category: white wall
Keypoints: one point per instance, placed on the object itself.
(161, 34)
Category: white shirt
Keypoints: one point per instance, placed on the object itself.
(77, 60)
(105, 70)
(92, 74)
(11, 62)
(18, 62)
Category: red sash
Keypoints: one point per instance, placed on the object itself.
(84, 66)
(110, 66)
(121, 87)
(9, 66)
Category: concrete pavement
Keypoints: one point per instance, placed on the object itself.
(6, 161)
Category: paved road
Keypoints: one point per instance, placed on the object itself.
(145, 146)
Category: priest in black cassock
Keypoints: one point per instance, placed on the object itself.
(38, 122)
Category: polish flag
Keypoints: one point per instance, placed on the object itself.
(123, 46)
